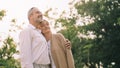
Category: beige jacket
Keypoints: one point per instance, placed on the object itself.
(62, 56)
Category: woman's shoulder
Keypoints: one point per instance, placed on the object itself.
(57, 34)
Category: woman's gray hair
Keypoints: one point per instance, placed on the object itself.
(31, 11)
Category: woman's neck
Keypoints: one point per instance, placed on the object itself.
(48, 35)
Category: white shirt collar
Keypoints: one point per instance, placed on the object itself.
(31, 26)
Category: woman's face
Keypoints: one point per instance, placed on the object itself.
(44, 27)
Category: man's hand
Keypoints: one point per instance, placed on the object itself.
(68, 44)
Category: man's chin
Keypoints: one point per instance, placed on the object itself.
(39, 21)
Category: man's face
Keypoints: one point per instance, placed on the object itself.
(36, 16)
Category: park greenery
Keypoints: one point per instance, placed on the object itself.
(95, 43)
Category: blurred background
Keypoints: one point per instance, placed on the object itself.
(92, 26)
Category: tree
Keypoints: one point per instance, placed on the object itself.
(7, 51)
(2, 14)
(106, 25)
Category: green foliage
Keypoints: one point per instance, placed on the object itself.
(7, 50)
(104, 47)
(106, 14)
(2, 14)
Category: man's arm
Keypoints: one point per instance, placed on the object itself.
(67, 43)
(25, 49)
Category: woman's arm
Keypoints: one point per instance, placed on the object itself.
(65, 41)
(69, 57)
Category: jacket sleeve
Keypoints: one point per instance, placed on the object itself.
(69, 56)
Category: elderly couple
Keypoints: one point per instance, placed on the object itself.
(39, 48)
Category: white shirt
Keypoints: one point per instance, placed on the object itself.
(52, 62)
(33, 48)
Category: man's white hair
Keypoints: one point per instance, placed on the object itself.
(31, 11)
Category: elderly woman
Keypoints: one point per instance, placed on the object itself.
(61, 57)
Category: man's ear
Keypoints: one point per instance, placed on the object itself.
(30, 16)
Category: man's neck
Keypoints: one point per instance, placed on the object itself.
(35, 25)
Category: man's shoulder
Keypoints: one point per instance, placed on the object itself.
(29, 27)
(26, 30)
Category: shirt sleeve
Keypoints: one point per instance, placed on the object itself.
(25, 49)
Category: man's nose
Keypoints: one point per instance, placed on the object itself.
(40, 14)
(46, 26)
